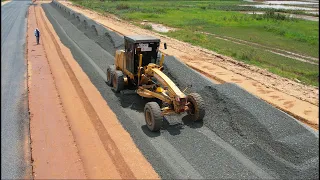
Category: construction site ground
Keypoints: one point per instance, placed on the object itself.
(80, 128)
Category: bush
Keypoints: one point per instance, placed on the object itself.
(203, 7)
(272, 15)
(250, 55)
(122, 6)
(147, 26)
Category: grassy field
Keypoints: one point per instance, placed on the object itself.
(223, 18)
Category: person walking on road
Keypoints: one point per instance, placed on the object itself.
(37, 34)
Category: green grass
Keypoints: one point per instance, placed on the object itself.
(224, 19)
(280, 65)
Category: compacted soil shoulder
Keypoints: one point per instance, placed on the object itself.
(74, 133)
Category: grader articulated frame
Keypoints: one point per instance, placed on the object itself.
(140, 66)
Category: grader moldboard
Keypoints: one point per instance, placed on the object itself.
(139, 66)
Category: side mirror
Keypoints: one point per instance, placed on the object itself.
(165, 45)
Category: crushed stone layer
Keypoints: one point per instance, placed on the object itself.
(298, 100)
(240, 137)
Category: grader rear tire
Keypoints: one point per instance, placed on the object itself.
(153, 117)
(197, 107)
(118, 81)
(110, 73)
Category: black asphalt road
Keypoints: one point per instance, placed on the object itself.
(15, 153)
(241, 137)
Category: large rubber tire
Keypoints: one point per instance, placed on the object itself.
(153, 116)
(110, 73)
(197, 108)
(118, 81)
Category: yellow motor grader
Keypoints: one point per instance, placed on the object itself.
(139, 66)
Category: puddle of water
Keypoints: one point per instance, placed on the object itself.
(159, 27)
(313, 12)
(282, 7)
(312, 1)
(250, 12)
(291, 2)
(310, 18)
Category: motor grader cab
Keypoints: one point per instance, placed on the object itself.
(136, 45)
(140, 66)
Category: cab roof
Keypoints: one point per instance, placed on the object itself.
(141, 39)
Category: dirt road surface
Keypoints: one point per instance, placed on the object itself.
(54, 152)
(240, 137)
(298, 100)
(74, 132)
(15, 151)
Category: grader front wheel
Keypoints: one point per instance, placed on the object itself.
(153, 116)
(196, 106)
(110, 73)
(118, 81)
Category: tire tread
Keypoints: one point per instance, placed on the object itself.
(156, 115)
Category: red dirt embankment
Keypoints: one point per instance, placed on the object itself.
(73, 128)
(54, 152)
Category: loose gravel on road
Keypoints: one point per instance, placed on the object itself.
(241, 136)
